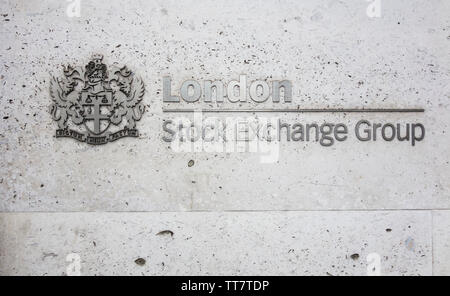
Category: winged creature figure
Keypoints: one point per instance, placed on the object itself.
(127, 100)
(65, 94)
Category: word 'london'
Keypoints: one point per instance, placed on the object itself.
(236, 91)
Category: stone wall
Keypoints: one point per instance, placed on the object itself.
(315, 210)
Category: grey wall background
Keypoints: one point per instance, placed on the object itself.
(318, 210)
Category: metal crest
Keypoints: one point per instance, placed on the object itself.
(97, 104)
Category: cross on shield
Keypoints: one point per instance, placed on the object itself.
(93, 111)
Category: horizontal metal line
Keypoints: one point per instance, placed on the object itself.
(350, 110)
(228, 211)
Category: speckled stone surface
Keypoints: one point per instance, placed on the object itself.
(284, 243)
(333, 52)
(441, 243)
(336, 57)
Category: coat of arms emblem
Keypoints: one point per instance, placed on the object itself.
(96, 104)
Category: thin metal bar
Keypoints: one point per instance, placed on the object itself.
(354, 110)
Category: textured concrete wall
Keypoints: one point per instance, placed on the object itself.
(316, 210)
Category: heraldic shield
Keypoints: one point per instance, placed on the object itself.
(97, 105)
